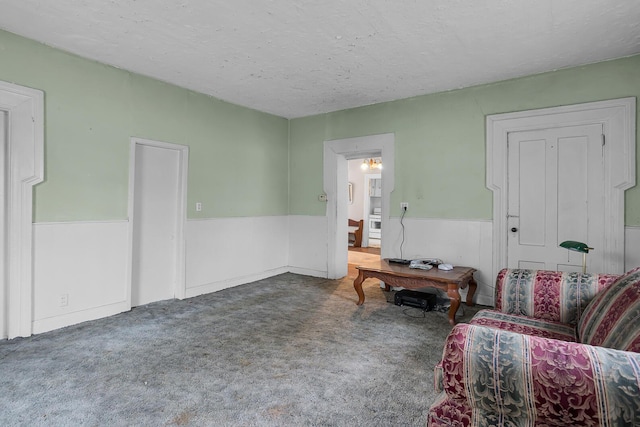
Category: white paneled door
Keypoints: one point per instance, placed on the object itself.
(556, 185)
(3, 224)
(156, 205)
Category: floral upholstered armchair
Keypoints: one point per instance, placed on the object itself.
(559, 349)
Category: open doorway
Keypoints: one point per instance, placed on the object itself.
(365, 198)
(365, 209)
(336, 156)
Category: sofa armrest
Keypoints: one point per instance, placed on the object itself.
(550, 295)
(499, 376)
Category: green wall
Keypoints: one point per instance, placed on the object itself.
(238, 162)
(248, 163)
(440, 138)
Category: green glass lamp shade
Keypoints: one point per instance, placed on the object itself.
(576, 246)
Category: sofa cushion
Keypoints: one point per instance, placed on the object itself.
(449, 412)
(514, 323)
(524, 325)
(551, 295)
(612, 318)
(493, 377)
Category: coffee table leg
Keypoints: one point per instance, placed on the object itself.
(454, 296)
(473, 285)
(357, 285)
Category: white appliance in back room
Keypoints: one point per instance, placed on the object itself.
(375, 228)
(375, 211)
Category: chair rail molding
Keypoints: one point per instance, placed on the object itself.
(618, 118)
(24, 109)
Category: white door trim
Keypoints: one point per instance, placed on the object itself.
(181, 215)
(618, 118)
(25, 139)
(336, 154)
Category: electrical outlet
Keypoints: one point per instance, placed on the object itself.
(63, 300)
(404, 206)
(198, 206)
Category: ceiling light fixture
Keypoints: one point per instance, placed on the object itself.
(371, 164)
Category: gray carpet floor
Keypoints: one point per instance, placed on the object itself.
(286, 351)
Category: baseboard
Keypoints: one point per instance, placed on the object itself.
(483, 300)
(230, 283)
(236, 281)
(56, 322)
(308, 272)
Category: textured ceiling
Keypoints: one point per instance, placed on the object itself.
(300, 57)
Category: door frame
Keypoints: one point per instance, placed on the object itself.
(24, 108)
(335, 182)
(618, 118)
(181, 214)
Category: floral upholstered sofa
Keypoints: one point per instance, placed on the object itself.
(559, 349)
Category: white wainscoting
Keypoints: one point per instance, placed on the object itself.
(461, 242)
(457, 242)
(87, 261)
(631, 248)
(84, 261)
(226, 252)
(308, 245)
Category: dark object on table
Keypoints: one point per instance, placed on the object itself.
(399, 261)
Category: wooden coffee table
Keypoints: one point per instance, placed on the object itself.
(413, 278)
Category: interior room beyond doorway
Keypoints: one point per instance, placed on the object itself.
(365, 198)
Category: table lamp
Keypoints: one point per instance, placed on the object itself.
(578, 247)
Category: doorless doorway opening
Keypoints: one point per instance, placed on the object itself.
(336, 154)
